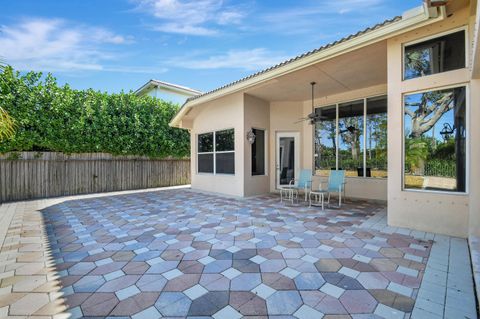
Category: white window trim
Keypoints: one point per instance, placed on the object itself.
(467, 141)
(433, 36)
(215, 152)
(337, 107)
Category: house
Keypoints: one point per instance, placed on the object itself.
(395, 105)
(167, 91)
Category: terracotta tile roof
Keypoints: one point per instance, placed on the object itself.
(304, 55)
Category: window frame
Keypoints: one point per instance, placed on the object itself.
(215, 152)
(467, 140)
(265, 150)
(337, 132)
(431, 37)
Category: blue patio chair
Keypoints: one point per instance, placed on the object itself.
(303, 183)
(336, 184)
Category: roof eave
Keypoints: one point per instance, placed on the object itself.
(168, 86)
(411, 19)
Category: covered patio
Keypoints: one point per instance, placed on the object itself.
(183, 253)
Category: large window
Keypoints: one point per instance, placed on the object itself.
(376, 137)
(435, 140)
(350, 143)
(258, 153)
(437, 55)
(216, 152)
(359, 143)
(326, 139)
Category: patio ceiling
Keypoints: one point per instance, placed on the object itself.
(357, 69)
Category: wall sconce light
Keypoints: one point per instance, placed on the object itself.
(251, 137)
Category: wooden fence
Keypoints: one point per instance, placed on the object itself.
(28, 175)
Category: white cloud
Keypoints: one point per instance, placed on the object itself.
(346, 6)
(191, 17)
(56, 45)
(249, 60)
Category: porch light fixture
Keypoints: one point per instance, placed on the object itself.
(446, 131)
(251, 137)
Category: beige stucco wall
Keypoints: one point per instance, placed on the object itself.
(474, 205)
(429, 211)
(223, 113)
(257, 115)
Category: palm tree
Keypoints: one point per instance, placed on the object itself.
(416, 152)
(7, 124)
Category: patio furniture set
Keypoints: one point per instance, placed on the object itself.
(315, 196)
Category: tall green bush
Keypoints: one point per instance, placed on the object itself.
(50, 117)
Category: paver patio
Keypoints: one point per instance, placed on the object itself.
(180, 253)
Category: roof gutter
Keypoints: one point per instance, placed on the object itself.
(411, 19)
(475, 61)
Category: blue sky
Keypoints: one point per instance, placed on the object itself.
(111, 45)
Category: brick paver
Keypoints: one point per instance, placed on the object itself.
(182, 253)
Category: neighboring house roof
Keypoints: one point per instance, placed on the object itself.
(183, 90)
(409, 19)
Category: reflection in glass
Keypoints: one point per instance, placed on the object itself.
(376, 131)
(350, 130)
(258, 153)
(325, 140)
(435, 135)
(225, 163)
(286, 158)
(224, 140)
(205, 143)
(205, 163)
(437, 55)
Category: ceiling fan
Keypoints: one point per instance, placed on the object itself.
(350, 129)
(313, 117)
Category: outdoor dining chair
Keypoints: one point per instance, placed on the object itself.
(302, 184)
(336, 184)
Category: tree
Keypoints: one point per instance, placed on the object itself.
(425, 112)
(417, 63)
(352, 138)
(416, 152)
(7, 124)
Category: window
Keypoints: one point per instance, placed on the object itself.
(437, 55)
(435, 140)
(350, 142)
(205, 153)
(258, 153)
(216, 152)
(376, 133)
(359, 144)
(326, 139)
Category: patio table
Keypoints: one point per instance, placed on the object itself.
(289, 192)
(319, 198)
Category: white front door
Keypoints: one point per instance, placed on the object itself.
(287, 157)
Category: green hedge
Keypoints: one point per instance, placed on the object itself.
(50, 117)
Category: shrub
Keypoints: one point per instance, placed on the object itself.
(50, 117)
